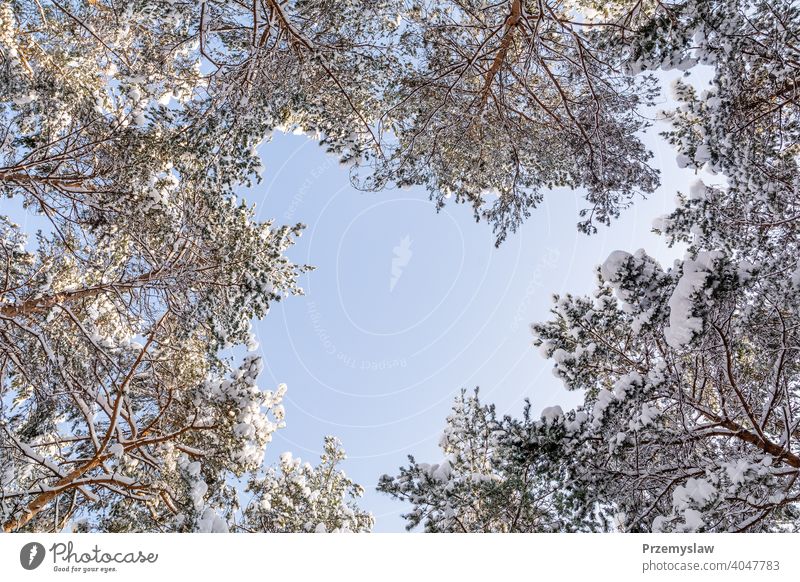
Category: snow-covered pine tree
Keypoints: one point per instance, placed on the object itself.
(482, 484)
(690, 373)
(116, 408)
(496, 102)
(298, 497)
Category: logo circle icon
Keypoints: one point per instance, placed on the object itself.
(31, 555)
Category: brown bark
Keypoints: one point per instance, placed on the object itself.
(505, 43)
(43, 304)
(41, 501)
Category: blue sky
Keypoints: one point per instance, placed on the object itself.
(406, 306)
(376, 351)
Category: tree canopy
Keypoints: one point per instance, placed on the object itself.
(128, 380)
(689, 372)
(117, 401)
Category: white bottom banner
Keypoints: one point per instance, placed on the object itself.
(388, 557)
